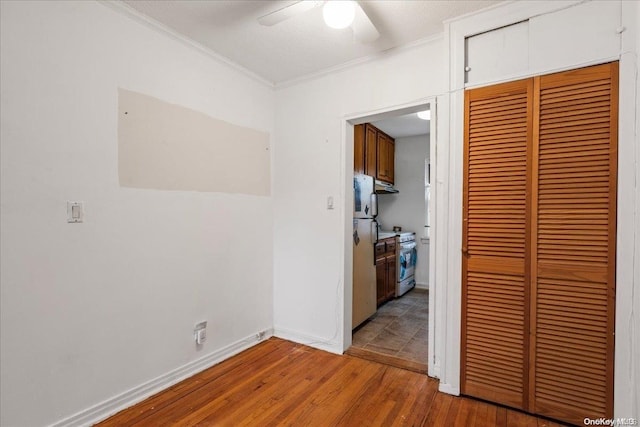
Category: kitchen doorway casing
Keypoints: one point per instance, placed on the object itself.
(348, 123)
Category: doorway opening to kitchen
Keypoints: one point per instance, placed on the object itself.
(391, 236)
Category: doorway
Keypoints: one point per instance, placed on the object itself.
(398, 332)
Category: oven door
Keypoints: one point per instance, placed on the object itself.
(407, 255)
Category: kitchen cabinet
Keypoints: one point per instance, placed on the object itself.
(390, 288)
(359, 151)
(385, 270)
(373, 152)
(386, 157)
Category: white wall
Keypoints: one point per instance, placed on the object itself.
(313, 159)
(407, 208)
(92, 310)
(634, 319)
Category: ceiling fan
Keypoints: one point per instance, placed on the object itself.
(336, 13)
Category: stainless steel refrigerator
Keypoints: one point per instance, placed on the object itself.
(365, 236)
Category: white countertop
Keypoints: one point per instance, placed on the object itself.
(385, 235)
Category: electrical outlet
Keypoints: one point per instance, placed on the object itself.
(201, 336)
(260, 335)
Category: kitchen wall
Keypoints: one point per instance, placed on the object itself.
(313, 159)
(407, 208)
(108, 306)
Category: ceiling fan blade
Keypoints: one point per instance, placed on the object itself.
(287, 12)
(363, 29)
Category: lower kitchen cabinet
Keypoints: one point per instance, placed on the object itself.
(385, 270)
(390, 288)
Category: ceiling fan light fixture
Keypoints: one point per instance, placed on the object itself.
(424, 115)
(339, 14)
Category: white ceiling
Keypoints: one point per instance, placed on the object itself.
(303, 44)
(403, 126)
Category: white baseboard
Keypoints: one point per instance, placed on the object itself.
(137, 394)
(434, 370)
(449, 389)
(320, 343)
(422, 286)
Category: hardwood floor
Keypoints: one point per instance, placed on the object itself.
(278, 382)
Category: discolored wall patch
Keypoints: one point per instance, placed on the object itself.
(165, 146)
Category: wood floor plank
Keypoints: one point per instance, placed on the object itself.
(334, 398)
(223, 396)
(547, 423)
(415, 401)
(452, 413)
(485, 415)
(467, 412)
(437, 414)
(278, 382)
(177, 392)
(291, 394)
(224, 380)
(278, 393)
(492, 416)
(380, 401)
(501, 417)
(401, 398)
(519, 419)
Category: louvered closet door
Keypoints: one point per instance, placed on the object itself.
(498, 133)
(574, 226)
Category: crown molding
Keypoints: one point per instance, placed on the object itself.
(128, 11)
(359, 61)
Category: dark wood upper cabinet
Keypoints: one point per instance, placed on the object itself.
(359, 151)
(373, 152)
(386, 157)
(371, 156)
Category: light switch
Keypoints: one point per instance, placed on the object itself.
(75, 211)
(330, 202)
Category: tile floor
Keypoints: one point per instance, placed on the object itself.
(399, 328)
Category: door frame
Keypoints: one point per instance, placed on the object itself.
(348, 122)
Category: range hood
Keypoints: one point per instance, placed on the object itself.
(385, 188)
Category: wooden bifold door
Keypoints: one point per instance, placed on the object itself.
(539, 227)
